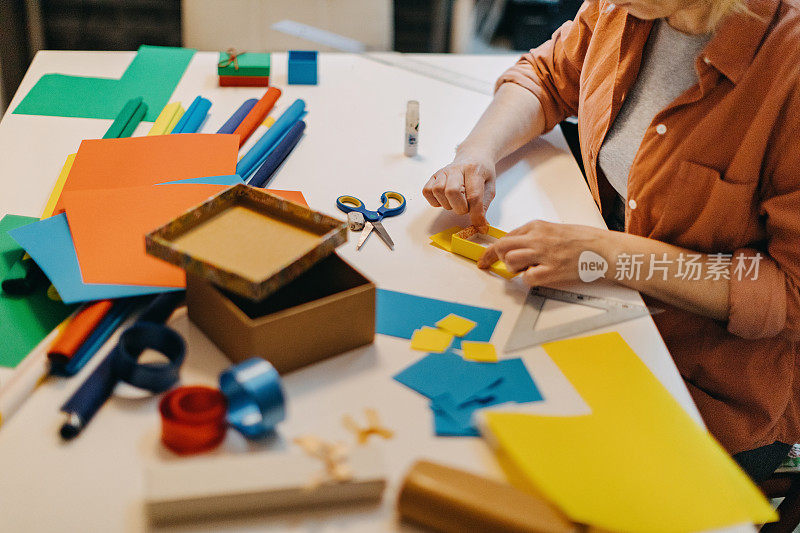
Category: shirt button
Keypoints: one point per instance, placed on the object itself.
(610, 8)
(661, 129)
(632, 203)
(706, 60)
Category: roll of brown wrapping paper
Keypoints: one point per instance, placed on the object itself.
(453, 501)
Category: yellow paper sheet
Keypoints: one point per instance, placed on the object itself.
(637, 463)
(446, 240)
(431, 340)
(269, 121)
(56, 192)
(167, 119)
(457, 325)
(483, 352)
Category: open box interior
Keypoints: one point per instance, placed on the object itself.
(328, 277)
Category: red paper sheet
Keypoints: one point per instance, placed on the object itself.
(139, 161)
(108, 228)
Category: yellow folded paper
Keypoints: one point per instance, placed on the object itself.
(457, 325)
(637, 463)
(431, 340)
(483, 352)
(58, 187)
(167, 119)
(449, 241)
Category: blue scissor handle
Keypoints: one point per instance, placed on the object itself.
(386, 211)
(348, 204)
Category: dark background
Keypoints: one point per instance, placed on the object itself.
(419, 26)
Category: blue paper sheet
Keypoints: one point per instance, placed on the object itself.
(445, 426)
(453, 418)
(210, 180)
(399, 314)
(446, 373)
(457, 388)
(49, 243)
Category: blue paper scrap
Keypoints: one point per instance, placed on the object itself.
(210, 180)
(399, 314)
(457, 388)
(443, 373)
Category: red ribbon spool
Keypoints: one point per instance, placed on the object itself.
(193, 419)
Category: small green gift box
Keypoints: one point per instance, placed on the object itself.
(249, 64)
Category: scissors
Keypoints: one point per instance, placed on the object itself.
(373, 219)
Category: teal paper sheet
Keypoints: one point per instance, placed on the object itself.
(153, 75)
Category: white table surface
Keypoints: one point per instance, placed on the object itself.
(353, 144)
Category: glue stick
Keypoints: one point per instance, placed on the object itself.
(412, 128)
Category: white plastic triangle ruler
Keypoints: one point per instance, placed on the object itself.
(397, 60)
(525, 335)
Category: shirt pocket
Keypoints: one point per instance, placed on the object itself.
(707, 213)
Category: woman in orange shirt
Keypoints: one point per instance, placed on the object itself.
(689, 123)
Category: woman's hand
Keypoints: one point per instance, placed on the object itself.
(467, 185)
(545, 252)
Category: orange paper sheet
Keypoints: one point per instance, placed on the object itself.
(139, 161)
(108, 227)
(293, 196)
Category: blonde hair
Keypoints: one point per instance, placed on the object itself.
(722, 8)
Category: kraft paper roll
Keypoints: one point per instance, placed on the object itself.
(452, 501)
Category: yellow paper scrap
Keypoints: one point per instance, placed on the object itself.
(167, 119)
(431, 340)
(638, 462)
(457, 325)
(447, 240)
(269, 121)
(56, 192)
(483, 352)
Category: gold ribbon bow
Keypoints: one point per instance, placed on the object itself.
(233, 57)
(373, 427)
(333, 456)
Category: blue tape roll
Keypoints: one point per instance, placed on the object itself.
(154, 377)
(256, 403)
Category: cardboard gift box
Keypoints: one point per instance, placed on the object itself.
(262, 278)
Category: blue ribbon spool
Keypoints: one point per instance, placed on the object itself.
(256, 403)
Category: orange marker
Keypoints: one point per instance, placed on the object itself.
(78, 330)
(257, 114)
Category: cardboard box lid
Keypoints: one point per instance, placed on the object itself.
(247, 240)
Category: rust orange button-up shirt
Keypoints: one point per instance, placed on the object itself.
(718, 171)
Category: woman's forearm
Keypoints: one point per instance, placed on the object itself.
(686, 279)
(514, 118)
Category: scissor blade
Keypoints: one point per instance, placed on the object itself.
(364, 234)
(384, 234)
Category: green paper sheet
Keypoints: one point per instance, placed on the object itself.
(153, 75)
(24, 321)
